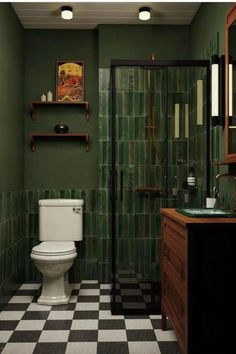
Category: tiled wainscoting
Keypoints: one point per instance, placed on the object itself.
(12, 237)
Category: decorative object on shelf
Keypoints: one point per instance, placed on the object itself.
(61, 128)
(70, 81)
(49, 96)
(83, 137)
(191, 180)
(43, 98)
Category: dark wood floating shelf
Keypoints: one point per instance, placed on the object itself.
(53, 136)
(34, 104)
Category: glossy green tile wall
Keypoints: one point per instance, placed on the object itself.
(12, 232)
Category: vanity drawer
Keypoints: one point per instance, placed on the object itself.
(175, 267)
(177, 232)
(176, 309)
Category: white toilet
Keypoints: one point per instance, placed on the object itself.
(60, 224)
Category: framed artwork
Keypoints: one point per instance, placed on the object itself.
(70, 81)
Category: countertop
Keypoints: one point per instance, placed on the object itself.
(186, 220)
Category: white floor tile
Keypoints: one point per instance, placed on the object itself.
(19, 348)
(105, 286)
(4, 336)
(144, 347)
(11, 315)
(138, 324)
(21, 299)
(81, 348)
(106, 315)
(105, 298)
(30, 325)
(155, 317)
(163, 336)
(54, 336)
(32, 286)
(75, 285)
(87, 306)
(73, 299)
(84, 324)
(110, 335)
(89, 282)
(35, 307)
(89, 292)
(61, 315)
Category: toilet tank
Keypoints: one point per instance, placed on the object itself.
(61, 219)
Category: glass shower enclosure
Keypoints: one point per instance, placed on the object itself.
(159, 132)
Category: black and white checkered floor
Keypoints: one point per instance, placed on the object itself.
(84, 326)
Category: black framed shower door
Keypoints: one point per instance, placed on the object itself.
(150, 157)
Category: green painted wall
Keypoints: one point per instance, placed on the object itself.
(57, 164)
(140, 41)
(11, 100)
(11, 153)
(208, 21)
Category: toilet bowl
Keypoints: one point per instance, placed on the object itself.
(53, 260)
(60, 224)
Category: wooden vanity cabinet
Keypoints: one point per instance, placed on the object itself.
(198, 293)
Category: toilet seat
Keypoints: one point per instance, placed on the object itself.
(48, 248)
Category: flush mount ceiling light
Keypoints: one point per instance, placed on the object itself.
(144, 13)
(66, 12)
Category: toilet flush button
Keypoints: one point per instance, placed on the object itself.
(77, 210)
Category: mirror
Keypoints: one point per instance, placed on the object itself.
(231, 86)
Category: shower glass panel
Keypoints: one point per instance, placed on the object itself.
(159, 131)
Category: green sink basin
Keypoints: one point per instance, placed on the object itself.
(206, 213)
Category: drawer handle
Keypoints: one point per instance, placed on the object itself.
(179, 309)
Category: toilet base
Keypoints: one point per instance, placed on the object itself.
(55, 291)
(46, 300)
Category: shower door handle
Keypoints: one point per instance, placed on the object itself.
(121, 186)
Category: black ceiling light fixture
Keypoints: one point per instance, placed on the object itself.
(66, 13)
(144, 13)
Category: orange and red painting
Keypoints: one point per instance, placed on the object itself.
(70, 81)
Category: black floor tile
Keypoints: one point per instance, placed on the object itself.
(2, 345)
(50, 348)
(58, 325)
(169, 348)
(89, 315)
(105, 306)
(66, 307)
(24, 336)
(105, 292)
(83, 336)
(28, 292)
(156, 324)
(89, 286)
(140, 335)
(113, 348)
(16, 307)
(36, 315)
(111, 324)
(88, 299)
(8, 325)
(136, 317)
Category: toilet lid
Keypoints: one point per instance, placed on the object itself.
(54, 248)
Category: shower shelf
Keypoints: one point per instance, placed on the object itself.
(148, 189)
(53, 136)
